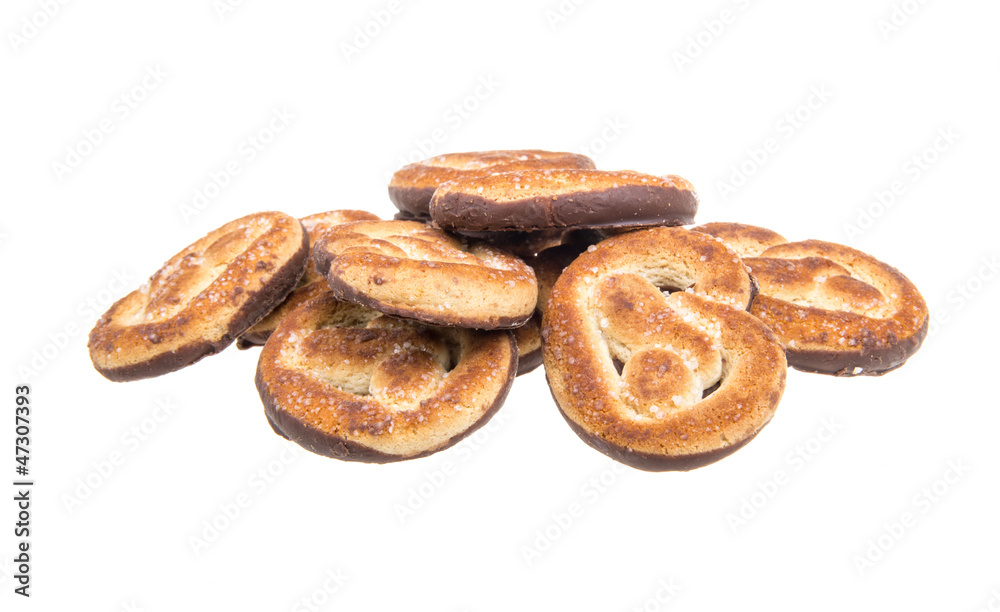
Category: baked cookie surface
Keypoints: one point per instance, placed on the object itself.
(836, 310)
(202, 298)
(307, 288)
(651, 355)
(348, 382)
(412, 186)
(408, 269)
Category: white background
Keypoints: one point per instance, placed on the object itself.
(608, 79)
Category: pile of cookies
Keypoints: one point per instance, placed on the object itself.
(382, 340)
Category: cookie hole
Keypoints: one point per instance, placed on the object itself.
(454, 354)
(671, 288)
(454, 348)
(711, 390)
(619, 365)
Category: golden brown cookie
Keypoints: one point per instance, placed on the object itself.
(412, 186)
(552, 199)
(307, 288)
(407, 269)
(202, 298)
(660, 381)
(835, 309)
(348, 382)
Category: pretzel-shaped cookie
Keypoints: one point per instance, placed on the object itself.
(311, 284)
(410, 270)
(835, 309)
(561, 198)
(202, 298)
(412, 186)
(660, 381)
(345, 381)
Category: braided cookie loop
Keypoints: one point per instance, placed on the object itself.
(660, 381)
(202, 298)
(550, 199)
(412, 186)
(311, 284)
(408, 269)
(348, 382)
(836, 310)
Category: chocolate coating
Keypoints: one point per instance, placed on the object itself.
(413, 185)
(630, 206)
(873, 362)
(654, 463)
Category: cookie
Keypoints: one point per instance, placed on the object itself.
(551, 199)
(405, 216)
(548, 265)
(407, 269)
(310, 285)
(836, 310)
(202, 298)
(528, 244)
(412, 186)
(651, 355)
(348, 382)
